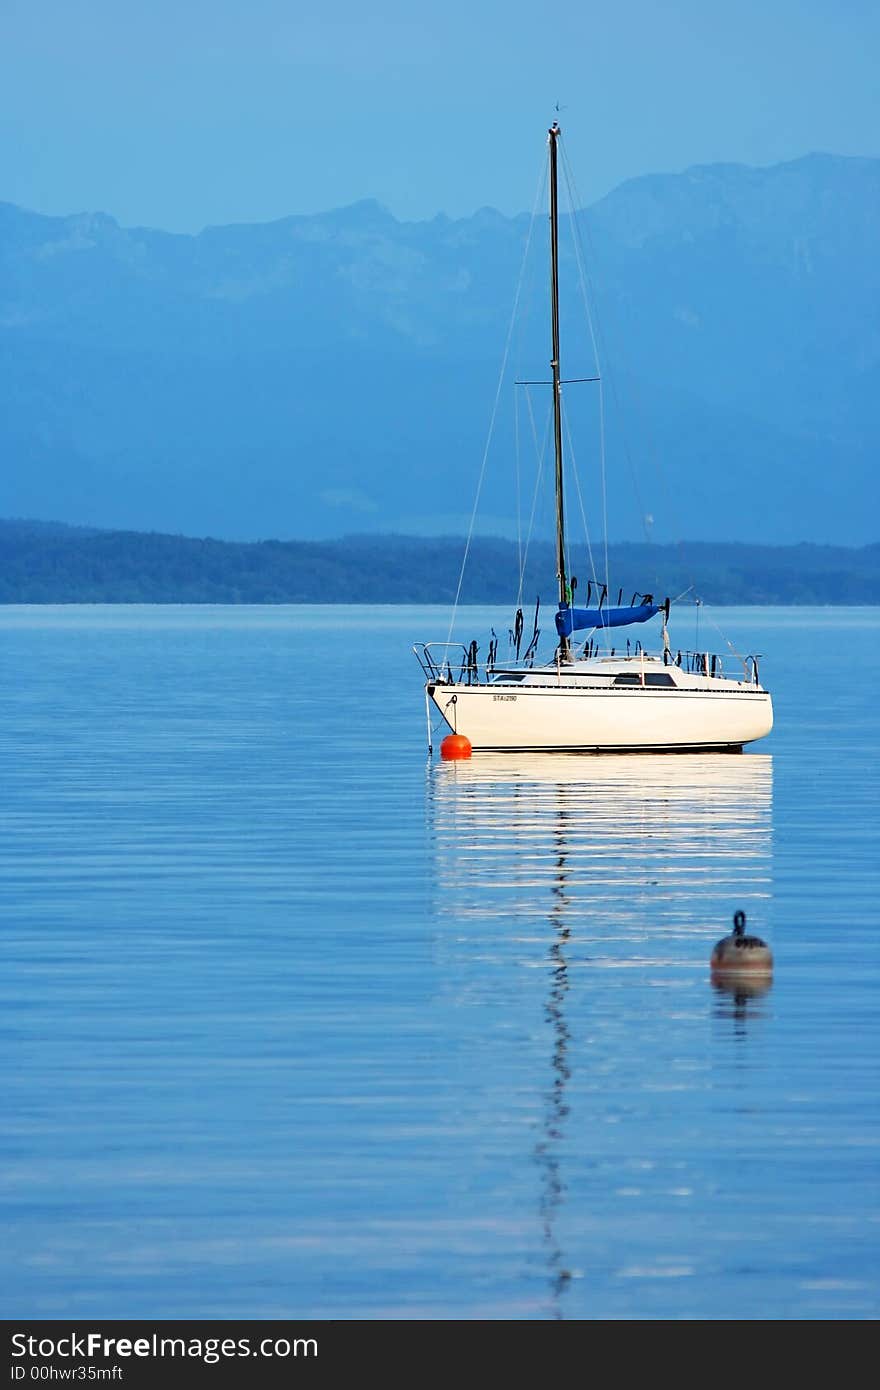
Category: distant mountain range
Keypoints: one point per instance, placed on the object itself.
(43, 562)
(326, 374)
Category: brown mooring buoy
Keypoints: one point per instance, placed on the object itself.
(740, 955)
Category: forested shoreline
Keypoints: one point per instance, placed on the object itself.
(41, 562)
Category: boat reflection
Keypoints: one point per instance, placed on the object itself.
(637, 831)
(605, 863)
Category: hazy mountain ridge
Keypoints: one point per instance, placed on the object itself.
(317, 374)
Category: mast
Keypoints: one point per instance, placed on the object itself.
(564, 643)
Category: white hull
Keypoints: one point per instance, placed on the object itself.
(555, 717)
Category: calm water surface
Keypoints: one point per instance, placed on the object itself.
(298, 1024)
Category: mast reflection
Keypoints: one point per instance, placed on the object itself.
(556, 1109)
(612, 860)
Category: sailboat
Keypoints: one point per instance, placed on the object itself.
(591, 699)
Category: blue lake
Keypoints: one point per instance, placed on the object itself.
(296, 1023)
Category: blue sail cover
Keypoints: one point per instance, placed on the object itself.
(569, 620)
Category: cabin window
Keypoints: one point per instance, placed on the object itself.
(651, 678)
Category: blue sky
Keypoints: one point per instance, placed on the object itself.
(183, 114)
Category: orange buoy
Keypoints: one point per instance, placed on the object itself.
(455, 746)
(739, 954)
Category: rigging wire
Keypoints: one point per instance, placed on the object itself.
(519, 560)
(725, 639)
(604, 487)
(579, 261)
(541, 455)
(494, 413)
(577, 483)
(590, 297)
(597, 334)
